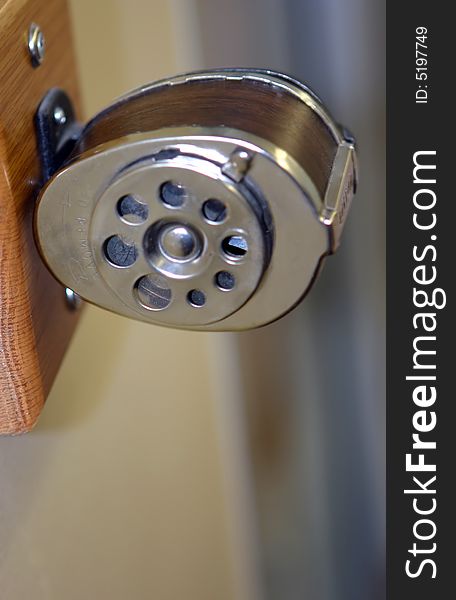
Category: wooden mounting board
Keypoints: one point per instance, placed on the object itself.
(35, 322)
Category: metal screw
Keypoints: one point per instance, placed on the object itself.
(59, 116)
(73, 300)
(36, 45)
(237, 165)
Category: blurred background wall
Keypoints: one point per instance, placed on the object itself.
(314, 381)
(173, 465)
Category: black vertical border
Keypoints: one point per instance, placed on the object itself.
(412, 127)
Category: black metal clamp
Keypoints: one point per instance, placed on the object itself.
(57, 131)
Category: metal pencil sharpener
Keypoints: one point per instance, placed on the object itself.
(207, 201)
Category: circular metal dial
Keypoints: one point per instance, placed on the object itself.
(178, 238)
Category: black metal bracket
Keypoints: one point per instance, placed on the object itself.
(57, 131)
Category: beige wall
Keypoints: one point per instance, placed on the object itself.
(133, 485)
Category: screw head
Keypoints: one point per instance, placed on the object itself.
(237, 165)
(73, 300)
(59, 116)
(36, 45)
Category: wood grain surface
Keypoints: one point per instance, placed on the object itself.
(35, 323)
